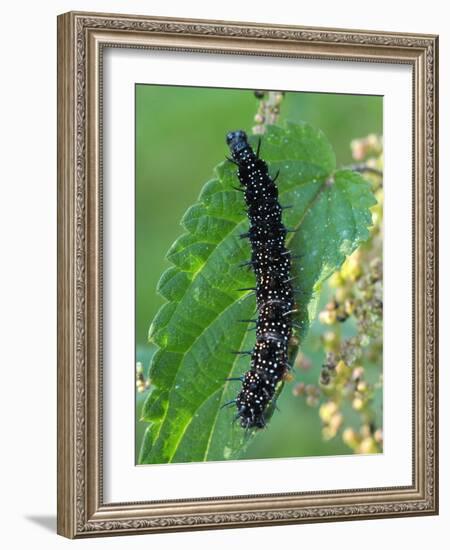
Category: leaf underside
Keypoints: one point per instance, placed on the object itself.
(197, 329)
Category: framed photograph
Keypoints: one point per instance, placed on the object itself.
(247, 274)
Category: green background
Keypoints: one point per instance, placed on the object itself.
(180, 137)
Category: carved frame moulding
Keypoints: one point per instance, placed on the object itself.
(82, 38)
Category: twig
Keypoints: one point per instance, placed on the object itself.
(365, 168)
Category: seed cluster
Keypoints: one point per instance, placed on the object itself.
(271, 262)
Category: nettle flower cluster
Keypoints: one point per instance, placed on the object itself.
(351, 375)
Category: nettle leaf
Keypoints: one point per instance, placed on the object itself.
(197, 328)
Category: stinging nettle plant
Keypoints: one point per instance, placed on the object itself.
(197, 328)
(349, 390)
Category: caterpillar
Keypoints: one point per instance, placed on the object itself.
(271, 263)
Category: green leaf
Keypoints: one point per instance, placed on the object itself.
(197, 328)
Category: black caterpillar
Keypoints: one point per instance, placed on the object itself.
(271, 262)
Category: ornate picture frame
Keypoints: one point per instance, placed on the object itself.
(82, 38)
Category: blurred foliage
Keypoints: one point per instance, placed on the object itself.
(179, 136)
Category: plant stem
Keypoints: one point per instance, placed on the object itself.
(365, 168)
(268, 110)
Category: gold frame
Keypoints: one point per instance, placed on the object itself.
(81, 39)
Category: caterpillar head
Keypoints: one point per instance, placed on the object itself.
(237, 140)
